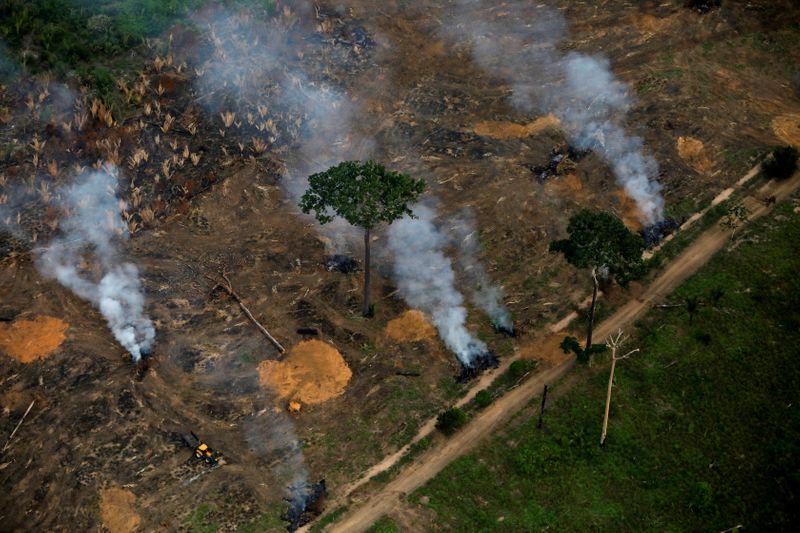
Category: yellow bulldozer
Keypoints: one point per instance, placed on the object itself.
(202, 451)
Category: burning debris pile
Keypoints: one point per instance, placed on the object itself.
(426, 280)
(341, 263)
(483, 360)
(90, 233)
(307, 502)
(655, 233)
(562, 161)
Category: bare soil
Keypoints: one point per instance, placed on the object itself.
(28, 340)
(118, 510)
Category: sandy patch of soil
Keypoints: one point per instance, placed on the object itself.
(629, 211)
(651, 24)
(117, 510)
(547, 351)
(30, 340)
(312, 373)
(787, 128)
(411, 326)
(512, 130)
(693, 152)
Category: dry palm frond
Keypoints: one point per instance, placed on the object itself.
(30, 103)
(199, 72)
(192, 128)
(195, 159)
(136, 197)
(185, 153)
(160, 89)
(52, 168)
(3, 179)
(80, 120)
(43, 95)
(66, 127)
(259, 146)
(227, 118)
(168, 121)
(3, 199)
(165, 168)
(262, 110)
(173, 144)
(148, 215)
(157, 139)
(158, 63)
(148, 108)
(136, 158)
(37, 145)
(52, 224)
(222, 132)
(250, 119)
(44, 192)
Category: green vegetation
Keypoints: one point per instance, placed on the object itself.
(328, 519)
(451, 420)
(384, 525)
(198, 520)
(601, 242)
(365, 195)
(704, 426)
(782, 163)
(90, 38)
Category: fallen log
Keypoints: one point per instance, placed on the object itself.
(228, 287)
(21, 420)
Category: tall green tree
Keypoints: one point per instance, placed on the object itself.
(601, 243)
(365, 194)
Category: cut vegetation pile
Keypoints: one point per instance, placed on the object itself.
(411, 326)
(30, 340)
(117, 509)
(312, 373)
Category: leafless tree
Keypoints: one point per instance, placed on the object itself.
(614, 342)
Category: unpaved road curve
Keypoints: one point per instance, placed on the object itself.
(425, 467)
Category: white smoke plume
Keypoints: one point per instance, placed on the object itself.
(484, 294)
(579, 89)
(90, 233)
(426, 280)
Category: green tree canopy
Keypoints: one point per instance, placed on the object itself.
(601, 241)
(365, 194)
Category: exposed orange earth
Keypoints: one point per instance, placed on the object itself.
(312, 373)
(512, 130)
(118, 511)
(787, 128)
(30, 340)
(411, 326)
(693, 152)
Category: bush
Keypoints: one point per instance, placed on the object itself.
(782, 163)
(451, 420)
(518, 368)
(483, 398)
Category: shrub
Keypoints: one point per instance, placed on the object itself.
(451, 420)
(781, 163)
(518, 368)
(483, 398)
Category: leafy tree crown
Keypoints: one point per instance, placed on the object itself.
(363, 193)
(600, 240)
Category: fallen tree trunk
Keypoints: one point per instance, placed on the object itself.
(228, 287)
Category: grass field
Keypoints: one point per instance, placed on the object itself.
(704, 425)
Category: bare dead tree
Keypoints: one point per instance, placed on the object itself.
(614, 342)
(228, 287)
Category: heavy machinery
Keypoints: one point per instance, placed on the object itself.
(201, 450)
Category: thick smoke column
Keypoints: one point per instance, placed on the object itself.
(425, 278)
(485, 295)
(93, 226)
(579, 89)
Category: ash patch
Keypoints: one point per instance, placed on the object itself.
(655, 233)
(306, 503)
(562, 161)
(341, 263)
(482, 362)
(702, 6)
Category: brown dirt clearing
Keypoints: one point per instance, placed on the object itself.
(411, 326)
(787, 128)
(512, 130)
(693, 152)
(312, 373)
(117, 509)
(30, 340)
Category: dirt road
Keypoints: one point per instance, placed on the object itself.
(434, 460)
